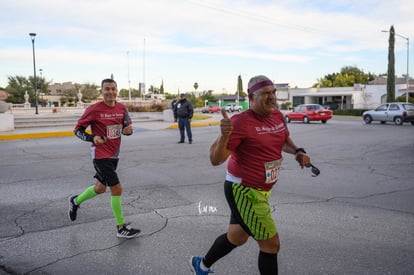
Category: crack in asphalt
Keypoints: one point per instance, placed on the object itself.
(338, 199)
(166, 219)
(10, 270)
(73, 256)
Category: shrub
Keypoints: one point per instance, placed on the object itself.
(349, 112)
(151, 108)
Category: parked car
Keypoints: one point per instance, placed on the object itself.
(232, 107)
(397, 112)
(309, 112)
(211, 109)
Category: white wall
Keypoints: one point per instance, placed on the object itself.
(6, 122)
(370, 96)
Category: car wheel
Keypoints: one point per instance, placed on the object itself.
(367, 119)
(287, 119)
(305, 119)
(324, 121)
(412, 122)
(398, 120)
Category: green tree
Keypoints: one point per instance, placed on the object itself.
(344, 80)
(89, 92)
(18, 85)
(391, 67)
(153, 89)
(16, 88)
(195, 86)
(69, 97)
(205, 95)
(43, 86)
(125, 93)
(162, 87)
(347, 77)
(240, 87)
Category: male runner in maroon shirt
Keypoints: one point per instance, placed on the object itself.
(254, 141)
(108, 120)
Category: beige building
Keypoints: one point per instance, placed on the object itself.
(56, 90)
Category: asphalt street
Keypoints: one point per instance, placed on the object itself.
(356, 217)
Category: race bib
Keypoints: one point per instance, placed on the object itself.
(272, 170)
(114, 131)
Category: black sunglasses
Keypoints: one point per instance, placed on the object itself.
(314, 170)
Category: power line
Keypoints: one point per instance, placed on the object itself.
(263, 19)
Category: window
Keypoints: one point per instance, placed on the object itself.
(409, 107)
(394, 107)
(297, 100)
(382, 107)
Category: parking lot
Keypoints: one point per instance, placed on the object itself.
(356, 217)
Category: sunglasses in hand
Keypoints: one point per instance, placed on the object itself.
(314, 169)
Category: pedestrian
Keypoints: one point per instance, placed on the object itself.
(183, 112)
(254, 141)
(108, 120)
(174, 103)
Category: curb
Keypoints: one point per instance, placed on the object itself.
(197, 124)
(36, 135)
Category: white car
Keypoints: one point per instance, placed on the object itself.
(397, 112)
(232, 107)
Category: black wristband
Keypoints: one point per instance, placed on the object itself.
(300, 150)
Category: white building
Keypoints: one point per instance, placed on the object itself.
(356, 97)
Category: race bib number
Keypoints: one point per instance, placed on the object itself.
(114, 131)
(272, 170)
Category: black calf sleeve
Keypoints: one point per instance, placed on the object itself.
(267, 263)
(220, 248)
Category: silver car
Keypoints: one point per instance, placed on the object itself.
(397, 112)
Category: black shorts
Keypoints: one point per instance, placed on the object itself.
(106, 171)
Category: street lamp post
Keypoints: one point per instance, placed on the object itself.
(129, 81)
(33, 35)
(408, 50)
(41, 86)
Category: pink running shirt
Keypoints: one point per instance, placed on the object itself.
(105, 121)
(256, 143)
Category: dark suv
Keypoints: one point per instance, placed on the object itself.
(397, 112)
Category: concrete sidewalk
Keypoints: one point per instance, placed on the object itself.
(62, 131)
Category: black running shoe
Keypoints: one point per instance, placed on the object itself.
(127, 232)
(73, 208)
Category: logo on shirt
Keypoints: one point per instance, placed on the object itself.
(111, 115)
(269, 130)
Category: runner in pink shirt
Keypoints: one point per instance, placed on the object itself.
(253, 142)
(108, 120)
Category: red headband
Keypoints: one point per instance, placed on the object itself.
(259, 85)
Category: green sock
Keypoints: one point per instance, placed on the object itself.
(117, 209)
(88, 194)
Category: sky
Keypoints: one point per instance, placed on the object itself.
(212, 42)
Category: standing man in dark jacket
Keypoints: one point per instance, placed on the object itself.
(183, 112)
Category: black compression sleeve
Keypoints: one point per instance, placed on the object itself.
(80, 133)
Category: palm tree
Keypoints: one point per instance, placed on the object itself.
(195, 86)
